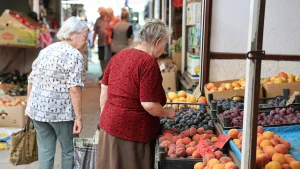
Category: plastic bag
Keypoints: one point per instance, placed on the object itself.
(85, 152)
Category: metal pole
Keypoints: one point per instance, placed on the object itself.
(157, 9)
(253, 68)
(151, 9)
(163, 10)
(202, 36)
(170, 23)
(183, 36)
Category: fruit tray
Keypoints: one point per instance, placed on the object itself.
(288, 133)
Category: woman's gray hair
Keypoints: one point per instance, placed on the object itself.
(153, 30)
(72, 25)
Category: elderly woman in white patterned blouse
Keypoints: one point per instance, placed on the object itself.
(54, 94)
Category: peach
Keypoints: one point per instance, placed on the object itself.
(200, 130)
(279, 158)
(237, 142)
(260, 129)
(214, 139)
(166, 142)
(161, 139)
(274, 141)
(259, 134)
(265, 143)
(180, 152)
(189, 151)
(169, 136)
(209, 86)
(209, 132)
(233, 133)
(173, 156)
(261, 160)
(295, 164)
(186, 140)
(175, 138)
(286, 166)
(171, 151)
(218, 166)
(273, 165)
(289, 159)
(231, 165)
(281, 148)
(288, 144)
(276, 136)
(180, 146)
(240, 135)
(179, 141)
(268, 135)
(205, 136)
(212, 162)
(218, 154)
(193, 143)
(196, 137)
(207, 157)
(269, 151)
(199, 165)
(196, 154)
(225, 160)
(186, 133)
(192, 131)
(288, 155)
(259, 152)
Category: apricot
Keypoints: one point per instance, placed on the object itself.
(281, 148)
(175, 138)
(237, 142)
(288, 155)
(279, 158)
(192, 131)
(288, 144)
(259, 152)
(196, 137)
(268, 135)
(224, 160)
(265, 143)
(261, 160)
(218, 166)
(276, 136)
(214, 139)
(295, 164)
(193, 143)
(273, 165)
(259, 139)
(274, 141)
(260, 129)
(218, 154)
(289, 159)
(196, 154)
(212, 162)
(231, 165)
(199, 165)
(189, 151)
(207, 157)
(233, 133)
(270, 151)
(186, 140)
(286, 166)
(200, 130)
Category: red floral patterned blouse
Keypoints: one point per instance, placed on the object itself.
(132, 76)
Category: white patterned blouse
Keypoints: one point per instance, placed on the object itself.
(57, 68)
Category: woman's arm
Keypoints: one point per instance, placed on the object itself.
(76, 98)
(103, 97)
(155, 109)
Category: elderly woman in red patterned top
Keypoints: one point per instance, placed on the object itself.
(131, 101)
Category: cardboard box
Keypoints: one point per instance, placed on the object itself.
(177, 59)
(193, 65)
(169, 78)
(12, 116)
(228, 93)
(19, 37)
(273, 90)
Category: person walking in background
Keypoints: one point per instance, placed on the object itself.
(131, 102)
(100, 30)
(122, 34)
(54, 94)
(112, 21)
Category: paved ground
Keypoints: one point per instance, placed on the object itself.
(90, 117)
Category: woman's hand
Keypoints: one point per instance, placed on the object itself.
(170, 112)
(77, 126)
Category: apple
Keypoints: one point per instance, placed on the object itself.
(228, 86)
(236, 88)
(214, 89)
(210, 86)
(222, 85)
(191, 98)
(278, 80)
(290, 76)
(236, 84)
(221, 88)
(297, 78)
(172, 95)
(264, 80)
(181, 99)
(290, 80)
(283, 79)
(282, 74)
(242, 79)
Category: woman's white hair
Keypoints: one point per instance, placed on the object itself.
(71, 26)
(153, 30)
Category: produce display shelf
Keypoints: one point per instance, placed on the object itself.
(288, 133)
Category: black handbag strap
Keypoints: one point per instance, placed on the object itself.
(27, 125)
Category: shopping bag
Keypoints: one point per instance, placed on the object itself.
(85, 152)
(23, 146)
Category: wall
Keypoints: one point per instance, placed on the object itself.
(229, 34)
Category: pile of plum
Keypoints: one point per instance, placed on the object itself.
(278, 101)
(228, 104)
(187, 119)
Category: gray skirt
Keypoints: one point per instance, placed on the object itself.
(117, 153)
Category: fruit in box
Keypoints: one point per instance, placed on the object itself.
(226, 86)
(282, 74)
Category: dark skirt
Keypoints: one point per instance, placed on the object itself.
(117, 153)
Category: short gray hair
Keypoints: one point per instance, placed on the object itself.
(153, 30)
(72, 25)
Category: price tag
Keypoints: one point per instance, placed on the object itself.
(222, 140)
(204, 148)
(162, 67)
